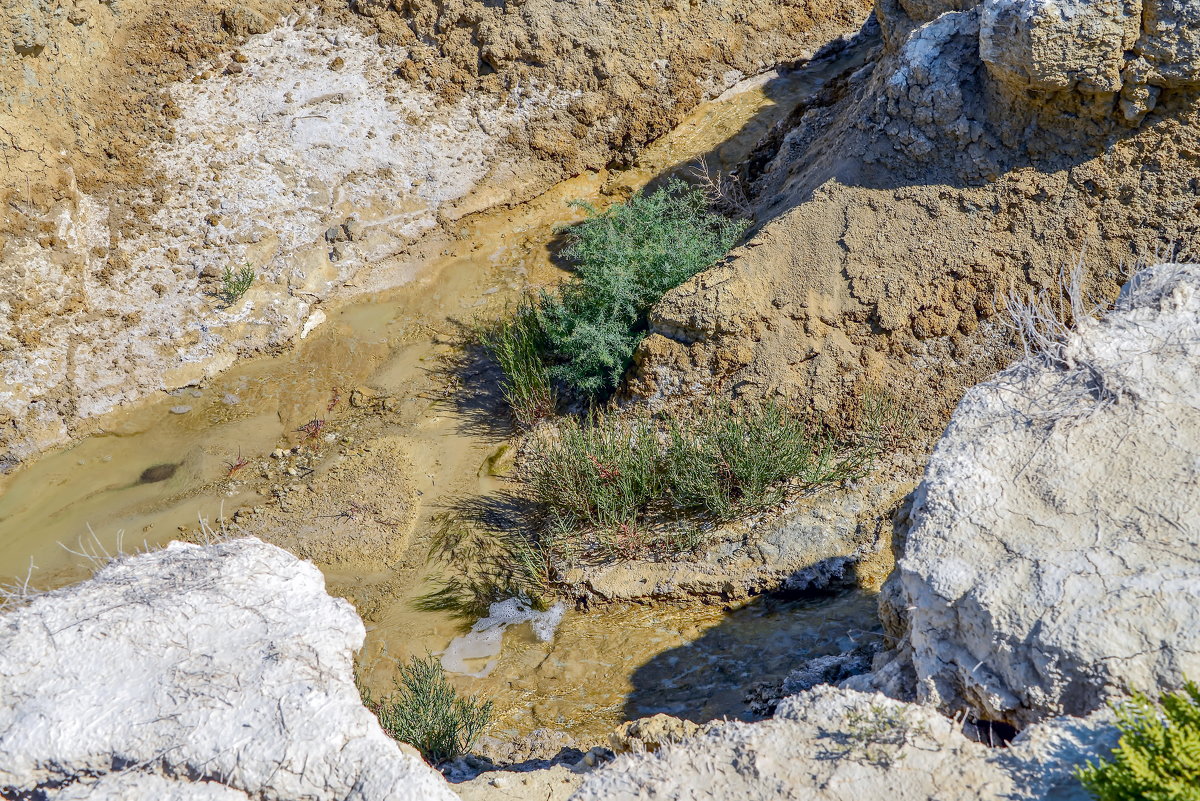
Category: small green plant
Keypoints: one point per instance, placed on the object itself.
(638, 483)
(1158, 755)
(234, 284)
(601, 473)
(582, 335)
(882, 422)
(626, 258)
(427, 712)
(878, 735)
(517, 345)
(728, 462)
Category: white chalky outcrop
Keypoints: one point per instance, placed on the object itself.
(217, 672)
(1053, 553)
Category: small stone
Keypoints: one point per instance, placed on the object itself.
(353, 229)
(371, 8)
(242, 21)
(240, 58)
(337, 64)
(211, 271)
(180, 409)
(234, 69)
(278, 453)
(362, 396)
(336, 233)
(212, 219)
(29, 36)
(596, 756)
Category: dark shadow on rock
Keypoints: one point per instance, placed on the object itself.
(851, 147)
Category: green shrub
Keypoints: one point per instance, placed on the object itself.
(235, 284)
(877, 736)
(429, 714)
(729, 462)
(584, 333)
(517, 346)
(602, 473)
(1158, 756)
(625, 259)
(628, 478)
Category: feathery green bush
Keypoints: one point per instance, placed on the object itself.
(626, 258)
(583, 334)
(429, 714)
(1158, 755)
(234, 284)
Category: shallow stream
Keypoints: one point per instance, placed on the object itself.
(204, 452)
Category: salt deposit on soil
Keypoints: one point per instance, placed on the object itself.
(269, 163)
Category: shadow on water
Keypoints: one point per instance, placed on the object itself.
(735, 669)
(478, 386)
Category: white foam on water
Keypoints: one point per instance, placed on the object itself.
(486, 637)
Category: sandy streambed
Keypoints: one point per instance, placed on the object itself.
(346, 448)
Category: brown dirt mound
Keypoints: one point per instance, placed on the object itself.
(111, 251)
(898, 209)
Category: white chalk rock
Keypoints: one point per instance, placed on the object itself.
(1053, 556)
(219, 672)
(835, 744)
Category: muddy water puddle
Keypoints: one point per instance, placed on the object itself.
(602, 668)
(204, 452)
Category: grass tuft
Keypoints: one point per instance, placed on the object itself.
(603, 473)
(727, 463)
(517, 345)
(427, 712)
(625, 479)
(617, 488)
